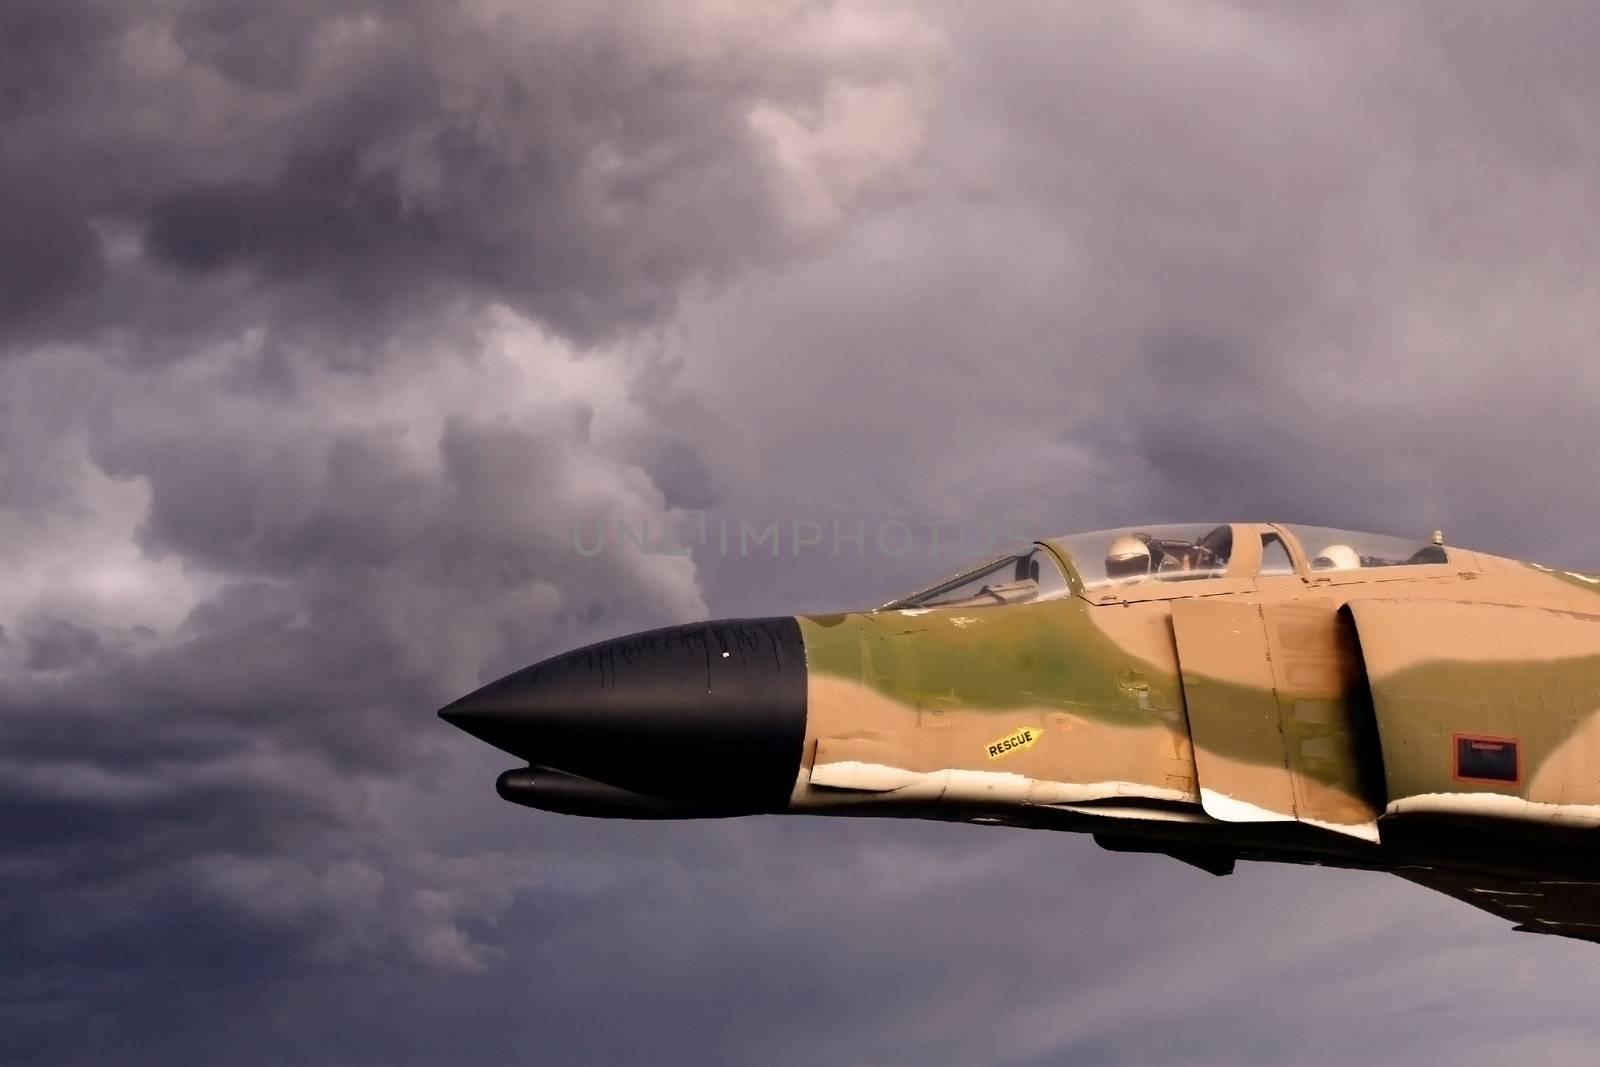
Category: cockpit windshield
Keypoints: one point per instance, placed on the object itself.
(1177, 553)
(1014, 578)
(1107, 561)
(1345, 550)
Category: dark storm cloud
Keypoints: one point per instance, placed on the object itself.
(1226, 260)
(295, 441)
(354, 164)
(221, 769)
(326, 322)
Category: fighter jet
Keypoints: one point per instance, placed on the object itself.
(1212, 693)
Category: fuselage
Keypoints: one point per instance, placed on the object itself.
(1243, 691)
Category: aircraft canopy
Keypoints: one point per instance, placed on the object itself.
(1140, 561)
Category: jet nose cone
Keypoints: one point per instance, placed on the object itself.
(709, 713)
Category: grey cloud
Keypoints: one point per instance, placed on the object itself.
(1225, 261)
(1079, 265)
(205, 791)
(359, 165)
(50, 252)
(1075, 956)
(58, 645)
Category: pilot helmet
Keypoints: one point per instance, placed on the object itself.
(1336, 558)
(1128, 557)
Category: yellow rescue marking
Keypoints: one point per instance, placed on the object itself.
(1017, 740)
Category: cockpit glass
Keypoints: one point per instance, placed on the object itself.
(1344, 550)
(1179, 553)
(1014, 578)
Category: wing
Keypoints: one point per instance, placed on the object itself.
(1564, 908)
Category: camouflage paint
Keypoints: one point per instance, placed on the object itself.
(1310, 716)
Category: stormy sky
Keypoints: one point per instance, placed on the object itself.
(323, 325)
